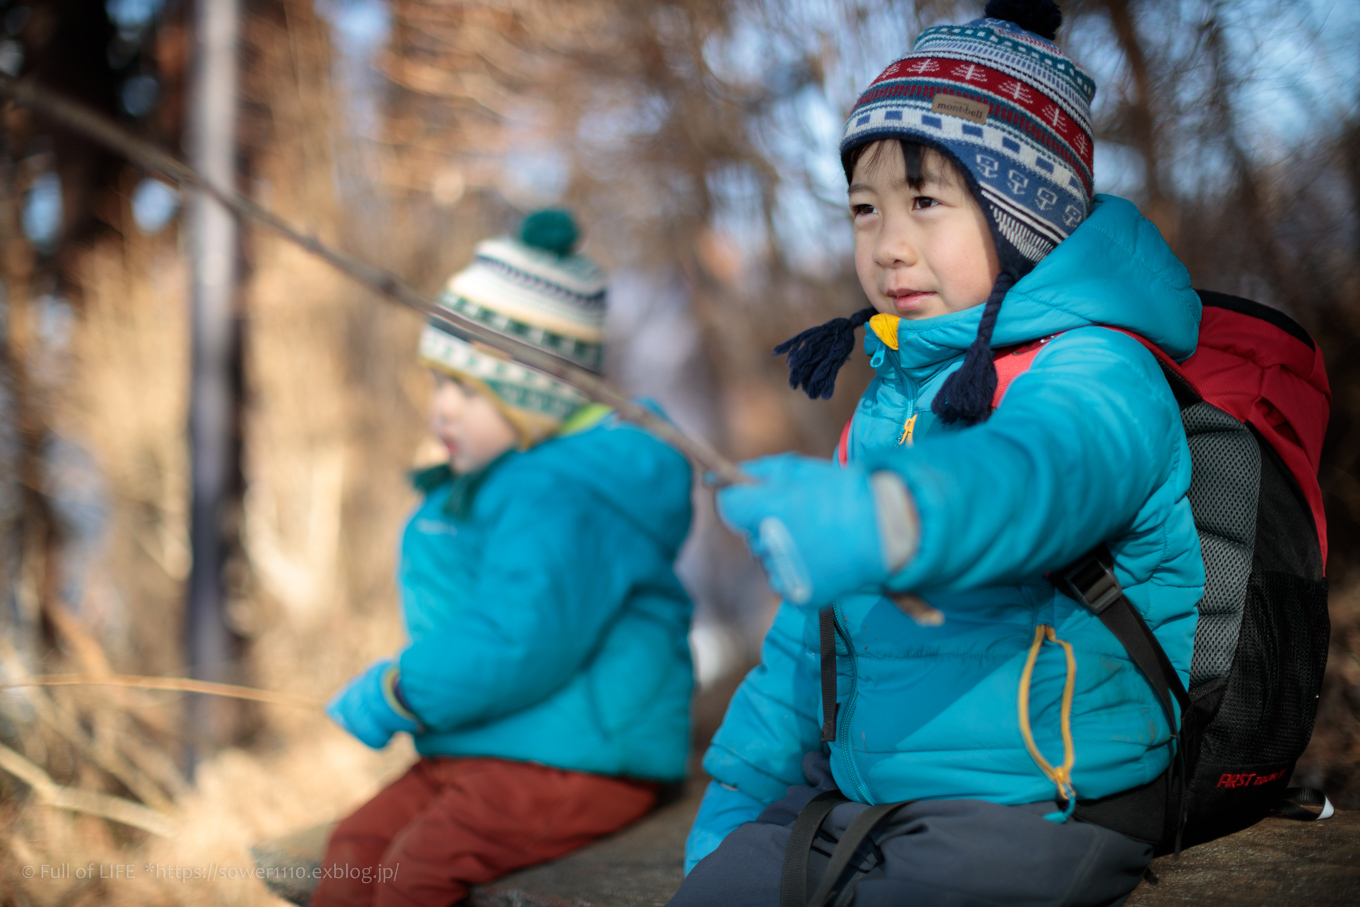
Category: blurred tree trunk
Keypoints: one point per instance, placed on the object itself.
(213, 407)
(22, 512)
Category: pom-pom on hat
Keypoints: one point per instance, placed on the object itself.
(998, 99)
(537, 290)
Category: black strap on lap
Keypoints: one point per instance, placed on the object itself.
(826, 627)
(858, 831)
(794, 881)
(793, 884)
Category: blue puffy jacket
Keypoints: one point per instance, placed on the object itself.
(1087, 446)
(548, 626)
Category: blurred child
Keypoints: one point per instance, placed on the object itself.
(547, 679)
(969, 163)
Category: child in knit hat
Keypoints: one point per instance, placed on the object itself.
(924, 685)
(547, 677)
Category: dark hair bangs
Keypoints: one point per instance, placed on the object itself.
(923, 161)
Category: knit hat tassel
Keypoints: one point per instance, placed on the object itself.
(967, 394)
(817, 354)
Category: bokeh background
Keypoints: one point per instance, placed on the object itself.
(696, 141)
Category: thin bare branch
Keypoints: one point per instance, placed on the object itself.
(106, 757)
(173, 684)
(384, 283)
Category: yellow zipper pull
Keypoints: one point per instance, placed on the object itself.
(908, 429)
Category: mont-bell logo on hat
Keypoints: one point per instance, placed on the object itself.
(957, 106)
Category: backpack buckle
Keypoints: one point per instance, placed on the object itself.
(1091, 580)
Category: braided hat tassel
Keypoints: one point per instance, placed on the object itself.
(967, 394)
(817, 354)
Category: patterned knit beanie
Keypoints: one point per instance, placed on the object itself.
(1002, 103)
(537, 291)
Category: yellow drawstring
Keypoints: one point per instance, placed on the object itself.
(1062, 775)
(908, 428)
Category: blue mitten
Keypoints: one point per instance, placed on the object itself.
(812, 524)
(368, 706)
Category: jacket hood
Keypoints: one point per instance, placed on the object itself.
(1114, 270)
(653, 491)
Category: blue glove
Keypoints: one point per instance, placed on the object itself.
(812, 524)
(368, 706)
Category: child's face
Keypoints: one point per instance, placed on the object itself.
(473, 430)
(919, 252)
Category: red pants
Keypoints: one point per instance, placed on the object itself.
(448, 824)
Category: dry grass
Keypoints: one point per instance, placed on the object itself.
(240, 797)
(333, 417)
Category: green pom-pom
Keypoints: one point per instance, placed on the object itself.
(552, 229)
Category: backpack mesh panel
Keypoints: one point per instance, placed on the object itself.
(1270, 702)
(1224, 486)
(1259, 717)
(1271, 698)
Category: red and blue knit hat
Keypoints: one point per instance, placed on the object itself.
(1013, 113)
(1008, 107)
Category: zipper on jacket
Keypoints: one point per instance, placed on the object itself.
(908, 429)
(909, 422)
(848, 710)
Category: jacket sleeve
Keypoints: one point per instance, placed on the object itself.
(772, 719)
(1079, 451)
(557, 567)
(723, 809)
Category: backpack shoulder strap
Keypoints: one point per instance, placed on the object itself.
(1091, 581)
(1013, 361)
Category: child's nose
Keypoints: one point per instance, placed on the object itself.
(449, 403)
(894, 247)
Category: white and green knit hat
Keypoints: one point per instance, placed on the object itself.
(537, 291)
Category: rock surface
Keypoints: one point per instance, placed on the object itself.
(1274, 862)
(638, 867)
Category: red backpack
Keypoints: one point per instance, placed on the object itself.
(1254, 401)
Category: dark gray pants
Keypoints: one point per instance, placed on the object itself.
(955, 852)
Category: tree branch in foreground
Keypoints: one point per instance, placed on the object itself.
(78, 118)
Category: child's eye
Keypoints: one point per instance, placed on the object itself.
(857, 210)
(923, 201)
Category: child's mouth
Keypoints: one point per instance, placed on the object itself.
(910, 301)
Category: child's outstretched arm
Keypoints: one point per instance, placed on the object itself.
(1087, 447)
(1088, 442)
